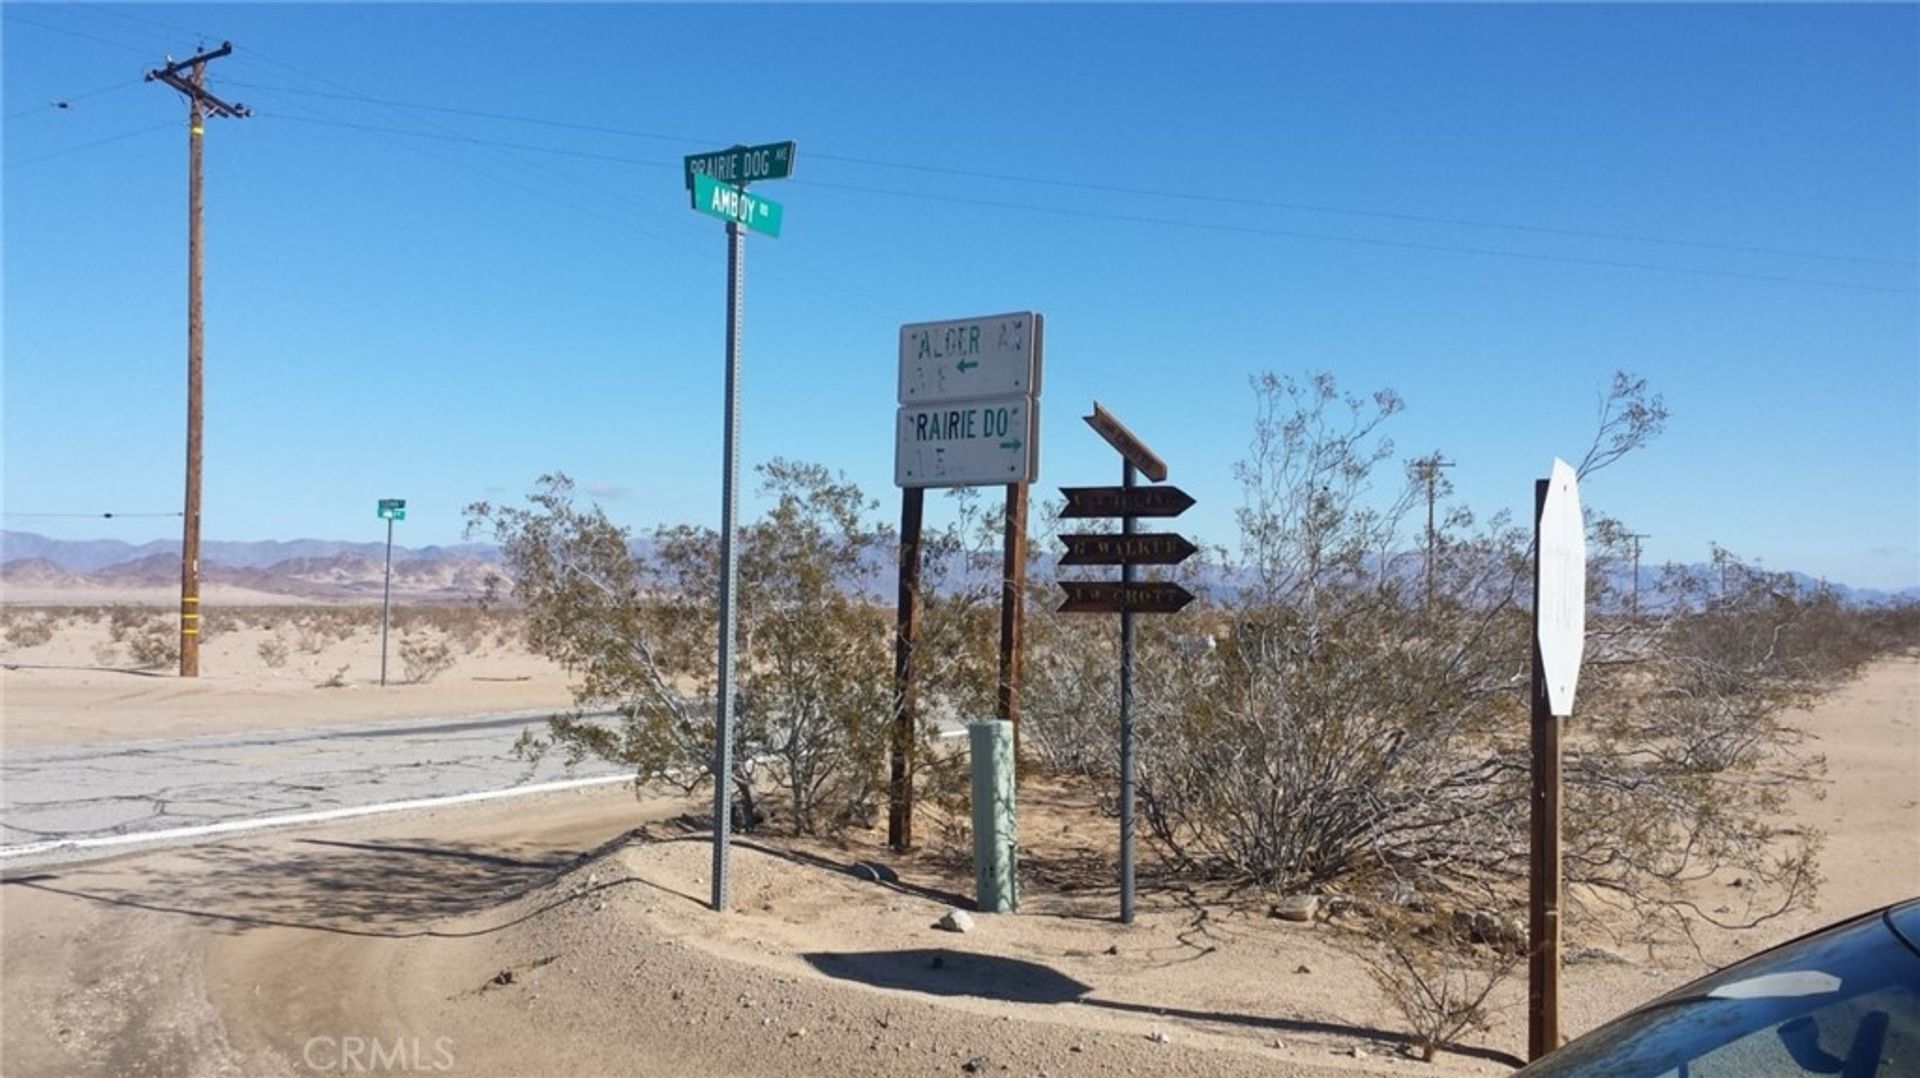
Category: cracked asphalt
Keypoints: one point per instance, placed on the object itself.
(60, 794)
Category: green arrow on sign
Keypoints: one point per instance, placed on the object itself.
(1010, 444)
(730, 203)
(966, 365)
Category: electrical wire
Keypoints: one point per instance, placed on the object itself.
(1211, 226)
(1189, 196)
(12, 16)
(67, 100)
(88, 516)
(11, 165)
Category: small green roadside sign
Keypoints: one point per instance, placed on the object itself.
(730, 203)
(393, 509)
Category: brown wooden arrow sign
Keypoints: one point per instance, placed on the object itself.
(1125, 502)
(1145, 548)
(1128, 446)
(1108, 597)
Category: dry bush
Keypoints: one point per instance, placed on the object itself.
(335, 680)
(273, 651)
(1435, 972)
(424, 658)
(1349, 729)
(151, 639)
(319, 628)
(814, 682)
(28, 630)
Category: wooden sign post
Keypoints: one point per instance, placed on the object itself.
(969, 416)
(1559, 639)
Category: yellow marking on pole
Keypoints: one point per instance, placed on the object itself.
(184, 615)
(198, 130)
(189, 632)
(189, 599)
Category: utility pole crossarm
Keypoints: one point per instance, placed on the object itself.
(170, 75)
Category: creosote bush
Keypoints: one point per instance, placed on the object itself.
(634, 623)
(424, 658)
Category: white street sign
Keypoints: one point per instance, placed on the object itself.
(995, 355)
(967, 443)
(1561, 587)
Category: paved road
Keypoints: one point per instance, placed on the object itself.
(51, 796)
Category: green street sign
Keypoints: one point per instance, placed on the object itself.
(742, 165)
(730, 203)
(392, 509)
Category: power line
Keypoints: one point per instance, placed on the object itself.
(68, 100)
(12, 17)
(1069, 211)
(1189, 196)
(1411, 245)
(11, 165)
(88, 516)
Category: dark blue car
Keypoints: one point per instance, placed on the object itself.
(1841, 1001)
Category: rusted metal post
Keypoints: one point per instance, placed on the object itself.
(1013, 614)
(1126, 718)
(906, 635)
(1543, 922)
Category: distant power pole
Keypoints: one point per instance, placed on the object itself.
(1633, 607)
(200, 103)
(1429, 473)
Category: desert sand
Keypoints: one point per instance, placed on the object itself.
(61, 692)
(569, 934)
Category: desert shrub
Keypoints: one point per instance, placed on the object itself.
(28, 631)
(151, 638)
(814, 682)
(273, 652)
(1438, 973)
(424, 658)
(335, 680)
(1349, 729)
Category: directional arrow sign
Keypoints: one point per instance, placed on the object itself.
(1128, 446)
(730, 203)
(742, 165)
(1107, 597)
(967, 443)
(1560, 588)
(1145, 548)
(994, 355)
(1125, 501)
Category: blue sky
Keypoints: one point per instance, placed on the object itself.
(1489, 209)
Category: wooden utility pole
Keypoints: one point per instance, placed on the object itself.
(200, 104)
(1430, 474)
(1634, 606)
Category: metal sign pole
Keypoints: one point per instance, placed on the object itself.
(729, 566)
(1126, 721)
(386, 599)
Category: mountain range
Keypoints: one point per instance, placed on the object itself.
(326, 569)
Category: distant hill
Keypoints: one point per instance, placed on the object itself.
(324, 569)
(308, 568)
(88, 555)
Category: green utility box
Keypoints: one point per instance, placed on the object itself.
(996, 878)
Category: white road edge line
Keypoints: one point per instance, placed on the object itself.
(321, 816)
